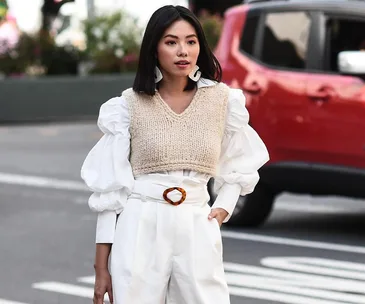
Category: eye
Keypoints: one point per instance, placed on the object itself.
(171, 42)
(192, 42)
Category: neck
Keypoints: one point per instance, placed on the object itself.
(173, 85)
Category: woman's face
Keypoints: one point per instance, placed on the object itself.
(178, 49)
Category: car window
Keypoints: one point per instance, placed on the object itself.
(249, 35)
(285, 39)
(342, 34)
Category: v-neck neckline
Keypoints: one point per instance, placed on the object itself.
(187, 109)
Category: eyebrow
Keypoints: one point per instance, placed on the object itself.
(175, 37)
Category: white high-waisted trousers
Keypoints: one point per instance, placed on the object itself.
(165, 254)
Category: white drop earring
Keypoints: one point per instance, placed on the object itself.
(158, 75)
(195, 74)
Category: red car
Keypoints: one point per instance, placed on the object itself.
(301, 65)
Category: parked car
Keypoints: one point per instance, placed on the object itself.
(301, 65)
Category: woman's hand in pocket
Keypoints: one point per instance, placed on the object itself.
(219, 214)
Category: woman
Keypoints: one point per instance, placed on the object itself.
(164, 138)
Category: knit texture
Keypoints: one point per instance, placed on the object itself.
(162, 140)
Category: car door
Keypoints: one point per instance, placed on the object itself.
(276, 89)
(337, 102)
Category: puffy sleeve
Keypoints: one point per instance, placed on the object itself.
(106, 169)
(243, 153)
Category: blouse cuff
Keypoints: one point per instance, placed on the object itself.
(227, 198)
(105, 227)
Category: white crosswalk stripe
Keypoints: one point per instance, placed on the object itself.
(3, 301)
(87, 280)
(67, 289)
(289, 280)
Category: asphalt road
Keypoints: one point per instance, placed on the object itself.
(311, 251)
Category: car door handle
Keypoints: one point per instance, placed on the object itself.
(252, 88)
(322, 94)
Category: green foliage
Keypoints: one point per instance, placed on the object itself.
(3, 9)
(39, 55)
(57, 60)
(212, 26)
(15, 61)
(113, 43)
(112, 46)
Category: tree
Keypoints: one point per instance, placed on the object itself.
(50, 10)
(113, 42)
(212, 6)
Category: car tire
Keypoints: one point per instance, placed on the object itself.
(252, 210)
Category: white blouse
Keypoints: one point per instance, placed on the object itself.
(108, 173)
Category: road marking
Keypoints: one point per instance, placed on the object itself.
(291, 242)
(271, 296)
(3, 301)
(69, 289)
(87, 280)
(305, 279)
(45, 182)
(284, 205)
(319, 266)
(291, 280)
(300, 285)
(41, 182)
(318, 209)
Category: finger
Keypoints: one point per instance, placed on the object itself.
(220, 222)
(110, 295)
(99, 296)
(213, 213)
(95, 300)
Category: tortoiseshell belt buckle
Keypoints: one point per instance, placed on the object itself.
(182, 199)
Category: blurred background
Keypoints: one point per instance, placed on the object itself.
(299, 238)
(70, 36)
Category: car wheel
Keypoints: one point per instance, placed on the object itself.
(251, 210)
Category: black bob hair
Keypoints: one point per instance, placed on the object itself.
(162, 19)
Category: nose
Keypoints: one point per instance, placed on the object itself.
(182, 51)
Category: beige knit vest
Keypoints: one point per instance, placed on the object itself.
(162, 140)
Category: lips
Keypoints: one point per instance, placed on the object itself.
(182, 62)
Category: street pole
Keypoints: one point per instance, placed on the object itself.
(90, 9)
